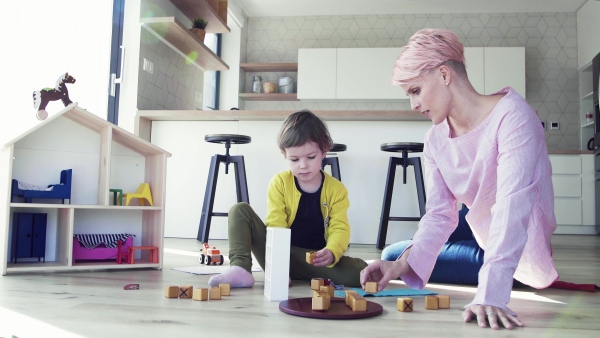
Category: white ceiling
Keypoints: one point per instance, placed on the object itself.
(260, 8)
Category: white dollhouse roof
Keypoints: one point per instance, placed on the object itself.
(93, 122)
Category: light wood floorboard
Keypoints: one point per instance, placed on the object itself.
(94, 304)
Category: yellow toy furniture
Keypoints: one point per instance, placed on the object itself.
(142, 194)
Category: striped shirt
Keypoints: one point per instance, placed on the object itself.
(502, 172)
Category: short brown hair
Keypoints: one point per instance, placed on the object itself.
(302, 127)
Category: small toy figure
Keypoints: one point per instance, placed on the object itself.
(210, 256)
(59, 92)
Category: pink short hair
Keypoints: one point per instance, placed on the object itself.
(427, 49)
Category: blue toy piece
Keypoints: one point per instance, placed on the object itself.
(59, 191)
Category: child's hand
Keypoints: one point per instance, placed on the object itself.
(324, 258)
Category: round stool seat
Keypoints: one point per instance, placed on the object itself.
(227, 138)
(337, 147)
(402, 147)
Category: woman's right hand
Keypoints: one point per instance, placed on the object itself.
(382, 272)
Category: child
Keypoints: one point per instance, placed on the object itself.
(306, 199)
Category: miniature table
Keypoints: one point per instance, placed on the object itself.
(153, 253)
(116, 192)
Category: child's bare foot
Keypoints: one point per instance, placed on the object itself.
(235, 276)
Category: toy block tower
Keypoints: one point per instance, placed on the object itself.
(277, 263)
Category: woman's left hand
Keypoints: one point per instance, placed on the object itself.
(492, 314)
(324, 257)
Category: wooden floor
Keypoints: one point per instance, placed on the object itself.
(94, 304)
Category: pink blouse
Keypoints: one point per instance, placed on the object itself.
(502, 172)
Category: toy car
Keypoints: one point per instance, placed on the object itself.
(210, 256)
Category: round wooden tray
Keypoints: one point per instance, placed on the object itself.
(338, 310)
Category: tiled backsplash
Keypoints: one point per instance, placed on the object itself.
(550, 41)
(173, 84)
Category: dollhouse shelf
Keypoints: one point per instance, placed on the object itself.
(103, 156)
(202, 9)
(183, 42)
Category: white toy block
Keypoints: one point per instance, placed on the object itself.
(277, 263)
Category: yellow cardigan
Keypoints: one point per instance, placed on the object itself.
(282, 205)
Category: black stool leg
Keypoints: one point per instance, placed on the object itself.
(241, 185)
(387, 201)
(209, 198)
(335, 166)
(416, 163)
(389, 187)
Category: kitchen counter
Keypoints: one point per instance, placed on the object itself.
(144, 118)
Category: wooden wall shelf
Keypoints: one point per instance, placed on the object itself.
(269, 67)
(182, 41)
(195, 8)
(268, 97)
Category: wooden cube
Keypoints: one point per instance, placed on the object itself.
(214, 293)
(328, 289)
(186, 292)
(171, 291)
(431, 302)
(358, 302)
(310, 256)
(405, 304)
(201, 294)
(371, 287)
(321, 302)
(444, 302)
(316, 283)
(225, 289)
(348, 292)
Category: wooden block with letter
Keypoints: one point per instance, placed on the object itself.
(310, 256)
(214, 293)
(371, 287)
(358, 302)
(171, 291)
(444, 302)
(186, 291)
(329, 289)
(405, 304)
(432, 302)
(348, 293)
(201, 294)
(321, 301)
(316, 283)
(225, 289)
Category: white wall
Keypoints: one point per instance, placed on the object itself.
(43, 40)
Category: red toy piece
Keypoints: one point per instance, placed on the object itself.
(210, 256)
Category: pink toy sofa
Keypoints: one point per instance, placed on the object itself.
(101, 252)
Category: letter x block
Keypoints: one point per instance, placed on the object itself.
(405, 304)
(186, 291)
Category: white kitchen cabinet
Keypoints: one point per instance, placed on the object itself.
(475, 67)
(316, 73)
(493, 68)
(102, 156)
(365, 73)
(573, 182)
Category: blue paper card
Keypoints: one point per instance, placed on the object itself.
(389, 293)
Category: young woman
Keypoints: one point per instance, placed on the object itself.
(306, 199)
(489, 153)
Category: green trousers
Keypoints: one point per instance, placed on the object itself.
(248, 234)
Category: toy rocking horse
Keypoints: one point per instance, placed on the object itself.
(59, 92)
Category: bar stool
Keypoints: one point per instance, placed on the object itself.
(403, 148)
(241, 185)
(333, 161)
